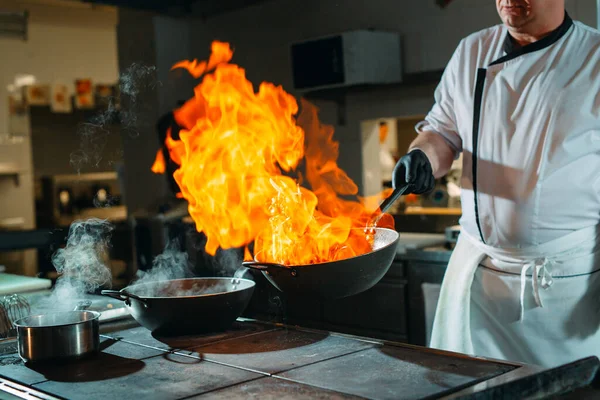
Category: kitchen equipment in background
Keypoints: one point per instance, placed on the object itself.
(84, 94)
(106, 95)
(431, 295)
(5, 323)
(66, 198)
(419, 241)
(438, 197)
(13, 308)
(153, 232)
(37, 95)
(335, 279)
(65, 201)
(16, 306)
(67, 335)
(60, 99)
(17, 210)
(346, 59)
(186, 306)
(386, 159)
(17, 284)
(452, 233)
(102, 196)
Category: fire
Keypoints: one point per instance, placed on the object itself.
(244, 160)
(159, 166)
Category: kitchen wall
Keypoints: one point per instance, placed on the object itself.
(57, 139)
(173, 44)
(157, 42)
(261, 36)
(66, 40)
(138, 46)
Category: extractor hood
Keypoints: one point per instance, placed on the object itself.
(362, 57)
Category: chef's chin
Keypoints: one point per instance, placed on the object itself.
(513, 20)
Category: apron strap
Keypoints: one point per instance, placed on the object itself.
(537, 266)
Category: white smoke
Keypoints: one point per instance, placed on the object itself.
(81, 264)
(124, 112)
(172, 263)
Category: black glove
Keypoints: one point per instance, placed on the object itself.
(415, 169)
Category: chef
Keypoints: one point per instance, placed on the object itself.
(521, 102)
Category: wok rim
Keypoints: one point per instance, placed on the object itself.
(253, 284)
(345, 259)
(18, 324)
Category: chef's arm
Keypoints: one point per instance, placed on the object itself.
(437, 150)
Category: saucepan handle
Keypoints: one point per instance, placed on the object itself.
(123, 296)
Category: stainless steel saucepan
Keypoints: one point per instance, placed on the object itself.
(65, 335)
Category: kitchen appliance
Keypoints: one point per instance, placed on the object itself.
(14, 307)
(66, 335)
(12, 283)
(66, 198)
(186, 306)
(350, 58)
(452, 233)
(335, 279)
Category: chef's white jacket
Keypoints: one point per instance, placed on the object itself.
(524, 279)
(528, 125)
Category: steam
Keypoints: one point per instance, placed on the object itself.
(82, 267)
(134, 84)
(81, 263)
(171, 264)
(225, 262)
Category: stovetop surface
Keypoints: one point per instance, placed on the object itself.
(253, 360)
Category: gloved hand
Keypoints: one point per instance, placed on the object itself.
(415, 169)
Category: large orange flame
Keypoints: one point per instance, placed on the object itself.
(242, 157)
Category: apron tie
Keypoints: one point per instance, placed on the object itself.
(537, 266)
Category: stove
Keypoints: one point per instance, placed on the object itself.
(257, 359)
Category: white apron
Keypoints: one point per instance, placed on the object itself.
(538, 305)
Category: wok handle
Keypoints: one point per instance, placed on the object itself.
(265, 266)
(123, 296)
(391, 199)
(262, 266)
(387, 203)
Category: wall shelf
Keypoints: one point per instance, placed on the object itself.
(89, 177)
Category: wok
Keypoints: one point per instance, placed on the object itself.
(334, 279)
(186, 306)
